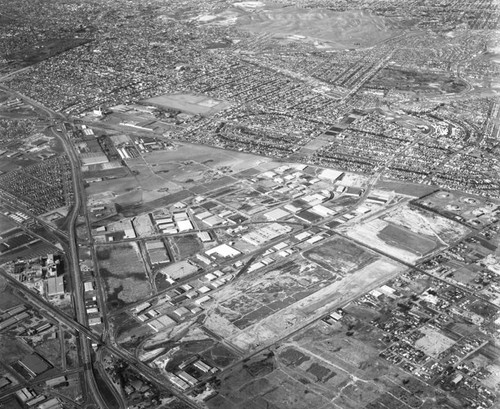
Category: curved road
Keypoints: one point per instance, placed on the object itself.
(81, 323)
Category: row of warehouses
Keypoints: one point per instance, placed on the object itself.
(93, 312)
(177, 222)
(285, 249)
(181, 302)
(189, 372)
(157, 252)
(266, 233)
(32, 400)
(13, 316)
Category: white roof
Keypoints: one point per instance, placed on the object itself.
(203, 299)
(303, 235)
(322, 211)
(330, 174)
(213, 220)
(224, 250)
(184, 225)
(276, 214)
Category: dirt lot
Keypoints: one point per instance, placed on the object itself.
(143, 226)
(6, 223)
(123, 270)
(426, 223)
(185, 246)
(237, 161)
(12, 349)
(340, 255)
(7, 300)
(406, 240)
(405, 188)
(265, 329)
(369, 233)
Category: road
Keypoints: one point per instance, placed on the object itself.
(14, 203)
(46, 308)
(106, 343)
(92, 395)
(75, 272)
(38, 380)
(94, 398)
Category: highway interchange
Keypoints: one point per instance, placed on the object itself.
(92, 394)
(71, 245)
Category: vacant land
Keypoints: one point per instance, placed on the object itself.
(185, 246)
(123, 271)
(405, 188)
(7, 299)
(368, 234)
(259, 295)
(340, 255)
(12, 349)
(433, 342)
(289, 318)
(51, 350)
(428, 224)
(143, 226)
(406, 240)
(237, 161)
(6, 223)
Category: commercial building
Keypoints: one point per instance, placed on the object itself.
(55, 286)
(224, 250)
(93, 158)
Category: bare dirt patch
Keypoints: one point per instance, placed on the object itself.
(123, 271)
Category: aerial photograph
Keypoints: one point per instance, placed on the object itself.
(275, 204)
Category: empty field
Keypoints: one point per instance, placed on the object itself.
(6, 223)
(123, 272)
(425, 223)
(210, 157)
(406, 240)
(340, 255)
(433, 342)
(185, 246)
(7, 299)
(143, 226)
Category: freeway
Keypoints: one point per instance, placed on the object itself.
(80, 192)
(36, 381)
(48, 309)
(75, 273)
(72, 254)
(93, 396)
(80, 324)
(15, 203)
